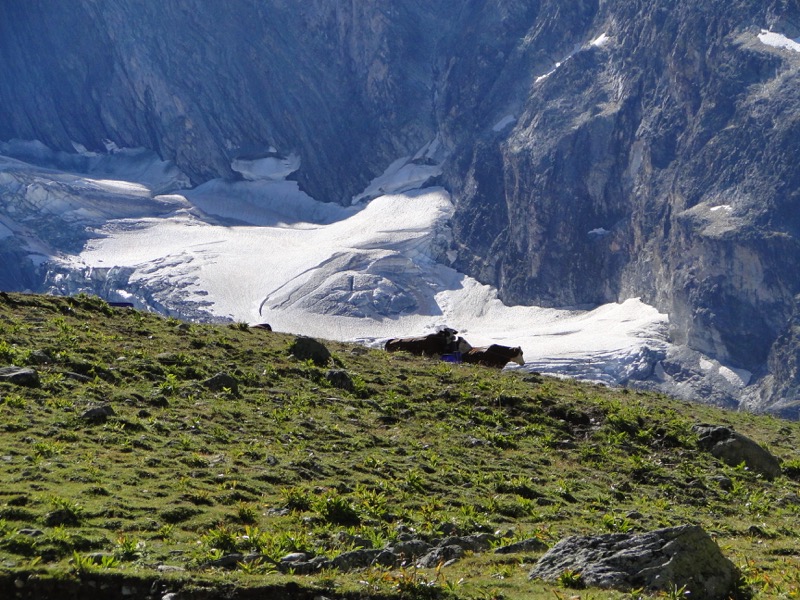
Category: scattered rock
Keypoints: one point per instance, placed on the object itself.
(61, 516)
(31, 532)
(355, 541)
(221, 381)
(411, 548)
(529, 545)
(355, 559)
(264, 326)
(655, 561)
(76, 376)
(98, 413)
(24, 376)
(340, 379)
(170, 569)
(294, 557)
(440, 555)
(40, 357)
(306, 348)
(229, 561)
(725, 483)
(733, 449)
(479, 542)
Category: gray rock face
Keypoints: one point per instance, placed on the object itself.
(656, 561)
(23, 376)
(629, 172)
(733, 448)
(595, 152)
(205, 85)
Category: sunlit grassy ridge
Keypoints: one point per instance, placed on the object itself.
(283, 461)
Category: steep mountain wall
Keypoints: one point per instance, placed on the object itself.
(651, 156)
(597, 150)
(342, 84)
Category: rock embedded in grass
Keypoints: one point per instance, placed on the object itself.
(733, 448)
(23, 376)
(683, 557)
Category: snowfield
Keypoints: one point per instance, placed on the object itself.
(262, 250)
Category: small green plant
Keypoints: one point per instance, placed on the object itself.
(617, 524)
(47, 448)
(15, 401)
(246, 513)
(82, 564)
(336, 509)
(296, 498)
(169, 386)
(128, 549)
(67, 510)
(165, 532)
(674, 592)
(571, 579)
(220, 538)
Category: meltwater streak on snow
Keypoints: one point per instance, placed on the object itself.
(777, 40)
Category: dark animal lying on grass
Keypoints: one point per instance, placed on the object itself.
(432, 344)
(494, 356)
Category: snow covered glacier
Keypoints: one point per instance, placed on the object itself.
(261, 250)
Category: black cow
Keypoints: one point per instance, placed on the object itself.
(494, 356)
(433, 344)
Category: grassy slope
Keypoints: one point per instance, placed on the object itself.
(181, 473)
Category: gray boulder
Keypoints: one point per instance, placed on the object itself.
(98, 413)
(24, 376)
(411, 548)
(479, 542)
(341, 379)
(440, 555)
(528, 545)
(733, 449)
(683, 557)
(220, 381)
(306, 348)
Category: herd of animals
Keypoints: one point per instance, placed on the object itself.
(445, 344)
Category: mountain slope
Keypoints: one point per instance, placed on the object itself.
(594, 152)
(147, 449)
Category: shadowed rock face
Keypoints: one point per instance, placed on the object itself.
(597, 151)
(341, 84)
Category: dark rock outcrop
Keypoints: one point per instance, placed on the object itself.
(307, 348)
(733, 448)
(24, 376)
(222, 381)
(674, 558)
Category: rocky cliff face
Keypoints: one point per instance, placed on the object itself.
(596, 150)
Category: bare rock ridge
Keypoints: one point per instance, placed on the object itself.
(596, 152)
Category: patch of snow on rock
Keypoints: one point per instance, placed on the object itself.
(504, 122)
(777, 40)
(407, 173)
(600, 40)
(274, 168)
